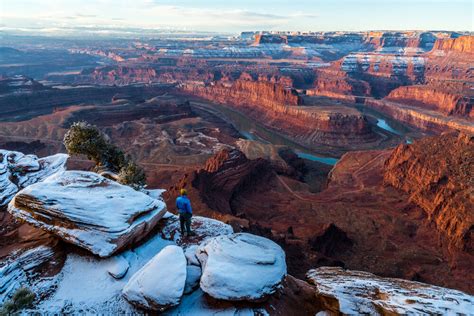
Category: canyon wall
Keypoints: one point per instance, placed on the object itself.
(462, 44)
(423, 40)
(437, 173)
(446, 102)
(367, 40)
(281, 109)
(337, 84)
(425, 120)
(123, 75)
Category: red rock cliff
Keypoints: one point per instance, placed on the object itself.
(438, 173)
(462, 44)
(123, 75)
(278, 108)
(226, 174)
(449, 103)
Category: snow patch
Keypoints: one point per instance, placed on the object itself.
(193, 275)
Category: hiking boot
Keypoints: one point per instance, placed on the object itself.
(191, 234)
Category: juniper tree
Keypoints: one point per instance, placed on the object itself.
(86, 139)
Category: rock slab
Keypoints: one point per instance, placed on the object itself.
(357, 292)
(88, 210)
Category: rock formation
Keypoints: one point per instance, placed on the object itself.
(425, 120)
(446, 102)
(193, 276)
(321, 228)
(15, 271)
(267, 94)
(18, 171)
(227, 173)
(160, 283)
(333, 240)
(437, 173)
(356, 292)
(279, 109)
(163, 269)
(119, 267)
(241, 267)
(462, 44)
(123, 75)
(88, 210)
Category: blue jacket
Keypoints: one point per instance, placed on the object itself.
(183, 205)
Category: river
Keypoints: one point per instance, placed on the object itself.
(384, 123)
(252, 130)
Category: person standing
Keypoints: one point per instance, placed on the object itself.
(183, 204)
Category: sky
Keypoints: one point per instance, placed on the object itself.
(229, 16)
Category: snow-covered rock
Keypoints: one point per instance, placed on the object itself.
(18, 170)
(154, 193)
(190, 253)
(118, 267)
(14, 271)
(88, 210)
(104, 293)
(160, 283)
(84, 284)
(198, 304)
(203, 227)
(193, 275)
(356, 292)
(241, 267)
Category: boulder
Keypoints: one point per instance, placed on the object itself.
(160, 283)
(241, 267)
(355, 293)
(18, 170)
(88, 210)
(190, 253)
(118, 267)
(193, 275)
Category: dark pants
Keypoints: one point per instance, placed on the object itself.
(185, 220)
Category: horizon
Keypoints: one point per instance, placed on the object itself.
(109, 18)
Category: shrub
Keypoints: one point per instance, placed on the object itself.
(23, 298)
(86, 139)
(133, 175)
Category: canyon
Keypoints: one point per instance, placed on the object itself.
(365, 192)
(349, 153)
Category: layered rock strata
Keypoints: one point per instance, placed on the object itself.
(88, 210)
(18, 170)
(438, 175)
(356, 292)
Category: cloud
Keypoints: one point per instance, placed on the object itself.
(81, 15)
